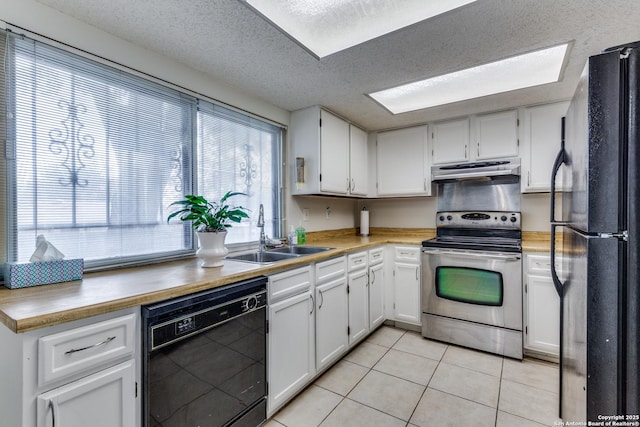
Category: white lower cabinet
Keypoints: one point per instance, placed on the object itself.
(104, 399)
(376, 287)
(358, 305)
(376, 295)
(291, 338)
(82, 373)
(406, 284)
(331, 322)
(541, 306)
(332, 313)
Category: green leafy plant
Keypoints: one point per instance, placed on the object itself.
(209, 216)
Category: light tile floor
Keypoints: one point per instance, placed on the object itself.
(398, 378)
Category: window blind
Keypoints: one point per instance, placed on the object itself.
(240, 153)
(96, 157)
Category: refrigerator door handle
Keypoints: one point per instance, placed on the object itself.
(560, 159)
(554, 274)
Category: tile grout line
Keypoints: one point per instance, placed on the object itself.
(358, 382)
(495, 422)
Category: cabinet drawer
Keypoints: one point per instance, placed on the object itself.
(357, 260)
(541, 264)
(82, 349)
(407, 253)
(331, 269)
(376, 256)
(289, 283)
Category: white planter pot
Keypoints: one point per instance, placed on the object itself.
(211, 248)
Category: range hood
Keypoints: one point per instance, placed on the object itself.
(476, 170)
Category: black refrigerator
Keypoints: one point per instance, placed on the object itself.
(599, 220)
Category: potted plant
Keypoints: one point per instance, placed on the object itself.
(210, 220)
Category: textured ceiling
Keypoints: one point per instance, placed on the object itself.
(231, 43)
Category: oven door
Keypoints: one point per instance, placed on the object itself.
(478, 286)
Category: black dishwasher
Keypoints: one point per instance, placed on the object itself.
(204, 358)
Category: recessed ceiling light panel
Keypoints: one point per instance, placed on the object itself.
(327, 26)
(518, 72)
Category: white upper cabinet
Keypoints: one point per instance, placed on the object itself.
(450, 141)
(541, 134)
(495, 135)
(477, 138)
(334, 153)
(403, 164)
(358, 161)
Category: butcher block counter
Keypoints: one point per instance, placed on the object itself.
(97, 293)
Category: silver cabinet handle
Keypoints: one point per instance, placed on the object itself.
(417, 278)
(75, 350)
(348, 185)
(353, 185)
(373, 280)
(53, 413)
(313, 304)
(321, 299)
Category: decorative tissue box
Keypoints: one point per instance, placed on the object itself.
(26, 274)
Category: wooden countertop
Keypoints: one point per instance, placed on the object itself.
(97, 293)
(36, 307)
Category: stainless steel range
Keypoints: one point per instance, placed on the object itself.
(472, 269)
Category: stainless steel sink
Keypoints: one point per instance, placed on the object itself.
(267, 257)
(300, 250)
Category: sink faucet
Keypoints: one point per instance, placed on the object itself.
(263, 238)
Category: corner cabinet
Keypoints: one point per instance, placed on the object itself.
(541, 134)
(81, 373)
(334, 154)
(403, 163)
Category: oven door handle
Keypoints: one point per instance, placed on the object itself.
(488, 255)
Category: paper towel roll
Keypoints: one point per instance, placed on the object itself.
(364, 222)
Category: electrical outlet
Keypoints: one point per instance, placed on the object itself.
(305, 214)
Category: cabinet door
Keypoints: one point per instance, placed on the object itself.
(450, 141)
(291, 351)
(402, 162)
(541, 135)
(358, 305)
(376, 295)
(358, 161)
(543, 315)
(496, 135)
(331, 322)
(406, 283)
(104, 399)
(334, 154)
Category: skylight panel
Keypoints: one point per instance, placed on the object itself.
(325, 27)
(518, 72)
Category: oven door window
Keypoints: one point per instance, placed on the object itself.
(470, 285)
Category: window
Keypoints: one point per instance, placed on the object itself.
(240, 153)
(96, 156)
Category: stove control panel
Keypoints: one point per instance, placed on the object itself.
(502, 220)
